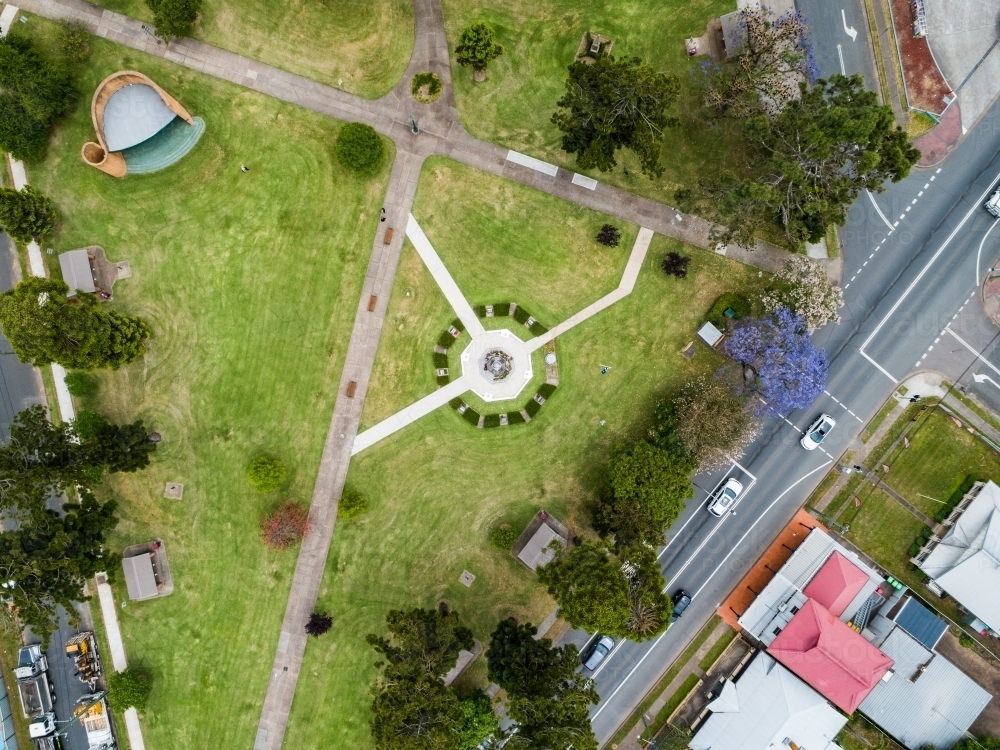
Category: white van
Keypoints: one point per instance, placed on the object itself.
(993, 204)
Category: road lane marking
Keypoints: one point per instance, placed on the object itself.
(881, 369)
(980, 253)
(851, 31)
(879, 210)
(979, 356)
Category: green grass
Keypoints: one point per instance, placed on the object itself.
(364, 43)
(438, 487)
(872, 427)
(675, 700)
(250, 284)
(941, 455)
(716, 651)
(664, 681)
(514, 105)
(884, 529)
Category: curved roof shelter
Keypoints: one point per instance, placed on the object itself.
(129, 109)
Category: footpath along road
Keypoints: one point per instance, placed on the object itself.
(705, 562)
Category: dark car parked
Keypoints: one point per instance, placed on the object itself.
(681, 601)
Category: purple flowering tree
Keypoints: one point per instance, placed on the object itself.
(779, 363)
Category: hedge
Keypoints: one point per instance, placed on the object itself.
(456, 403)
(716, 314)
(515, 417)
(545, 390)
(956, 498)
(446, 340)
(471, 416)
(440, 360)
(521, 315)
(538, 329)
(491, 420)
(443, 380)
(457, 324)
(501, 309)
(532, 408)
(480, 311)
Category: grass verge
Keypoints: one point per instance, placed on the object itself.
(250, 284)
(716, 651)
(872, 427)
(679, 696)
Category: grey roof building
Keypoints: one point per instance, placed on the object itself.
(764, 709)
(76, 271)
(924, 699)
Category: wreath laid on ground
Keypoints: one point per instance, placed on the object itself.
(532, 407)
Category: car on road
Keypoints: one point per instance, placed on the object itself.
(681, 600)
(993, 204)
(817, 432)
(597, 653)
(723, 500)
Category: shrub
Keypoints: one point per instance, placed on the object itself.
(431, 81)
(675, 264)
(501, 309)
(319, 623)
(128, 689)
(476, 47)
(88, 424)
(74, 41)
(440, 360)
(456, 403)
(609, 236)
(81, 384)
(457, 325)
(266, 473)
(480, 311)
(716, 314)
(446, 340)
(503, 537)
(352, 504)
(284, 526)
(532, 408)
(538, 329)
(491, 420)
(174, 18)
(515, 417)
(26, 214)
(359, 147)
(966, 641)
(546, 390)
(443, 380)
(521, 315)
(471, 416)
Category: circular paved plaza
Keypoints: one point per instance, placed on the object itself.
(496, 366)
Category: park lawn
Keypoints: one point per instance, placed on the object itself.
(514, 105)
(940, 458)
(438, 487)
(884, 530)
(366, 44)
(250, 284)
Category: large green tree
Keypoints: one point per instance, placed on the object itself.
(44, 325)
(46, 561)
(546, 695)
(613, 104)
(26, 214)
(412, 708)
(42, 459)
(34, 94)
(646, 489)
(174, 18)
(479, 721)
(477, 48)
(813, 158)
(590, 587)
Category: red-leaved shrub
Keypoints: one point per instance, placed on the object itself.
(284, 526)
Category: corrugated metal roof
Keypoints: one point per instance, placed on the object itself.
(935, 709)
(921, 623)
(139, 578)
(76, 271)
(837, 583)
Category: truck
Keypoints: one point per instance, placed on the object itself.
(993, 204)
(82, 649)
(42, 731)
(31, 662)
(92, 711)
(37, 696)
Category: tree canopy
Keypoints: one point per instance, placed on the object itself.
(359, 147)
(174, 18)
(476, 47)
(816, 155)
(26, 214)
(479, 722)
(34, 94)
(707, 421)
(613, 104)
(50, 557)
(547, 697)
(424, 640)
(803, 287)
(780, 364)
(129, 689)
(590, 587)
(44, 326)
(647, 488)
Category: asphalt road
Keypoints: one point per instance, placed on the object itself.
(835, 48)
(909, 292)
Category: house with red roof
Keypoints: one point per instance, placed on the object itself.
(836, 584)
(829, 656)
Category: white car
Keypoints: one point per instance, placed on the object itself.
(597, 653)
(817, 432)
(725, 497)
(993, 204)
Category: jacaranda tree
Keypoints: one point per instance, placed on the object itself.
(780, 365)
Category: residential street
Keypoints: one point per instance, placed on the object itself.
(835, 49)
(901, 290)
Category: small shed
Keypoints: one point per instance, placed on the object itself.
(710, 334)
(534, 546)
(139, 577)
(77, 272)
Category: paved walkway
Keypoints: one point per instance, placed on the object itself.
(440, 133)
(443, 278)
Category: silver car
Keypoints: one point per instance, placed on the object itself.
(598, 652)
(817, 432)
(725, 497)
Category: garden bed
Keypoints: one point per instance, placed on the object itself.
(926, 87)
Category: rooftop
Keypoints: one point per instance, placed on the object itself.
(966, 562)
(836, 584)
(133, 114)
(766, 707)
(927, 700)
(829, 656)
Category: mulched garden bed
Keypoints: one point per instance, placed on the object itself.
(926, 87)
